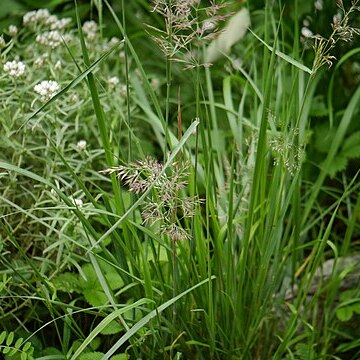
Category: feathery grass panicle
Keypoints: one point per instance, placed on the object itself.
(342, 30)
(166, 204)
(188, 26)
(270, 271)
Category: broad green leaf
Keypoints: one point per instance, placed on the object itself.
(6, 350)
(338, 164)
(67, 282)
(95, 297)
(344, 313)
(104, 323)
(92, 356)
(114, 279)
(10, 338)
(3, 336)
(120, 357)
(112, 328)
(27, 346)
(18, 343)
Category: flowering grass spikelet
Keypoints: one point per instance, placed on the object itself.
(165, 205)
(341, 31)
(188, 26)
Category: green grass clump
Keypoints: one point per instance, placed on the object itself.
(154, 205)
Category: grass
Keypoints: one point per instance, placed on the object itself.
(109, 252)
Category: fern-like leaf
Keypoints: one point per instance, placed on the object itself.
(8, 347)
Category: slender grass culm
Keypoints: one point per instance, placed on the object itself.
(180, 180)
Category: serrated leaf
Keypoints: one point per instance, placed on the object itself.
(318, 107)
(10, 338)
(344, 313)
(2, 337)
(67, 282)
(120, 357)
(338, 164)
(352, 141)
(351, 153)
(92, 356)
(91, 281)
(112, 328)
(95, 297)
(305, 351)
(356, 309)
(115, 281)
(323, 137)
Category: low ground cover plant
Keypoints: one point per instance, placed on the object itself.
(181, 185)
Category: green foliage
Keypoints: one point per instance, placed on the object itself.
(87, 283)
(350, 148)
(10, 347)
(100, 356)
(303, 351)
(92, 356)
(217, 231)
(349, 305)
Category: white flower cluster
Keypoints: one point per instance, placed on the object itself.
(60, 24)
(208, 25)
(51, 39)
(14, 68)
(90, 28)
(113, 81)
(319, 5)
(13, 30)
(36, 17)
(81, 145)
(47, 89)
(306, 32)
(41, 61)
(74, 98)
(43, 17)
(77, 202)
(58, 65)
(111, 43)
(2, 42)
